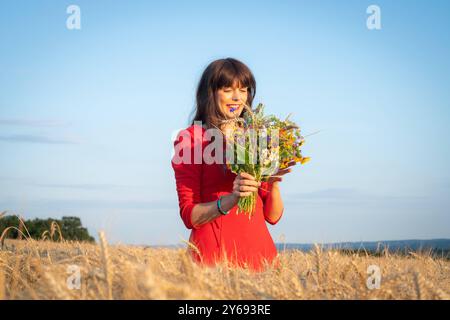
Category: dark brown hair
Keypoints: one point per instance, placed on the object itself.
(219, 74)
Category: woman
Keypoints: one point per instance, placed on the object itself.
(208, 193)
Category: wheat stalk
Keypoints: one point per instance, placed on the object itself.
(2, 284)
(419, 285)
(106, 263)
(55, 287)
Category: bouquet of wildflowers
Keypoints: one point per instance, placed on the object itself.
(261, 146)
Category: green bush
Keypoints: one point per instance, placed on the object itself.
(70, 227)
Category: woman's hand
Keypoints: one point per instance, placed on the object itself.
(277, 177)
(244, 185)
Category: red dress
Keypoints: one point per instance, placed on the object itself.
(241, 241)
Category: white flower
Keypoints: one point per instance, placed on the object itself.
(264, 154)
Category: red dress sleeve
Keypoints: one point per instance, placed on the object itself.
(264, 192)
(187, 175)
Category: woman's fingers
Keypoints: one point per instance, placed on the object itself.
(245, 185)
(242, 194)
(286, 170)
(245, 175)
(273, 179)
(291, 163)
(283, 171)
(247, 182)
(248, 189)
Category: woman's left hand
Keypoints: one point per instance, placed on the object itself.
(277, 177)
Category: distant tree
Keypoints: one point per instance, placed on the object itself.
(70, 228)
(10, 221)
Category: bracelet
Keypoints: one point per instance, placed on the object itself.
(219, 206)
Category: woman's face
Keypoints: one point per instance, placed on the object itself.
(231, 100)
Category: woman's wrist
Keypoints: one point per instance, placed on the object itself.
(229, 201)
(271, 185)
(275, 184)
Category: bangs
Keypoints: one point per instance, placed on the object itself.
(234, 73)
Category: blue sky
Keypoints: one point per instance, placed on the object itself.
(87, 116)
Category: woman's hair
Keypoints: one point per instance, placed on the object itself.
(221, 73)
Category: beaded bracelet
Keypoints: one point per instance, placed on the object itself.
(219, 206)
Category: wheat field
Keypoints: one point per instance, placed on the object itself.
(31, 269)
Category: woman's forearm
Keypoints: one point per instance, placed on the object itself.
(273, 207)
(206, 212)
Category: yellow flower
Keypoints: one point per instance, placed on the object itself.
(305, 160)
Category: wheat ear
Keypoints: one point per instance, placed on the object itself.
(106, 263)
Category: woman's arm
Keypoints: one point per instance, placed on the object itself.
(273, 204)
(273, 207)
(206, 212)
(243, 185)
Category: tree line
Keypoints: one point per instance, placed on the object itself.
(67, 228)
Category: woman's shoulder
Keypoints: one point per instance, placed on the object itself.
(191, 135)
(195, 131)
(196, 127)
(188, 140)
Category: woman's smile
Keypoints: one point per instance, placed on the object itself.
(233, 107)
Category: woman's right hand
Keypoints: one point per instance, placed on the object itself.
(244, 185)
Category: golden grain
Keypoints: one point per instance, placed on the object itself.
(2, 284)
(106, 263)
(37, 270)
